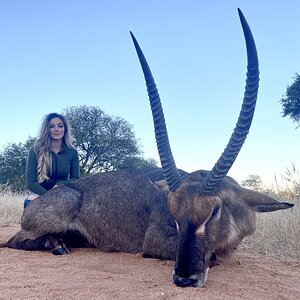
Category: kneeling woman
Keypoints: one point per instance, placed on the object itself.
(52, 159)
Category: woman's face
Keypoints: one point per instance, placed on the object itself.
(57, 128)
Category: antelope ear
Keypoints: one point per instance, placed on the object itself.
(162, 185)
(260, 202)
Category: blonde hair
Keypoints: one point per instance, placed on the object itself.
(42, 145)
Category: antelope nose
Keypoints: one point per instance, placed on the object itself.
(195, 280)
(181, 281)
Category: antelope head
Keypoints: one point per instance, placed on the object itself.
(212, 211)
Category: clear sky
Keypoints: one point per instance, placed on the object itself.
(60, 53)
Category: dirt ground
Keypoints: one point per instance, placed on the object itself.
(91, 274)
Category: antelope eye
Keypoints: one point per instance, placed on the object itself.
(214, 213)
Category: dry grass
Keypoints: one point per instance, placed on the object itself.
(11, 206)
(288, 186)
(278, 234)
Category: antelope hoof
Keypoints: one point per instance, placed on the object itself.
(59, 251)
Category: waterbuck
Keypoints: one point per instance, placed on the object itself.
(191, 218)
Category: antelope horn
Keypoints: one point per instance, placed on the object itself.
(170, 170)
(212, 181)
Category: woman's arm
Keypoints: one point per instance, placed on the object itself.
(74, 169)
(31, 174)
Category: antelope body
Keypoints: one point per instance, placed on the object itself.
(163, 213)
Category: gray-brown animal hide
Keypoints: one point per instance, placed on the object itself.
(114, 211)
(126, 211)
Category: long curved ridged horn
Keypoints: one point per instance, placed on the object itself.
(212, 181)
(170, 170)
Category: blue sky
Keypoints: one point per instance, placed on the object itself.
(61, 53)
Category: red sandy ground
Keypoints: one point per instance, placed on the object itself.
(91, 274)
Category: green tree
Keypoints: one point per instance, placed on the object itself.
(253, 182)
(291, 101)
(13, 164)
(138, 162)
(104, 142)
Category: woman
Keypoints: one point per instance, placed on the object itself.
(52, 159)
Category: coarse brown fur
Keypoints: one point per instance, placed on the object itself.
(125, 211)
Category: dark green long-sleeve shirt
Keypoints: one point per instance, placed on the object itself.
(65, 166)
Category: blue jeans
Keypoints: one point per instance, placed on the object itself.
(26, 202)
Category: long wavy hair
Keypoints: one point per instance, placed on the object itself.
(43, 147)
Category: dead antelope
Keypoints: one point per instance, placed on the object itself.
(166, 214)
(212, 212)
